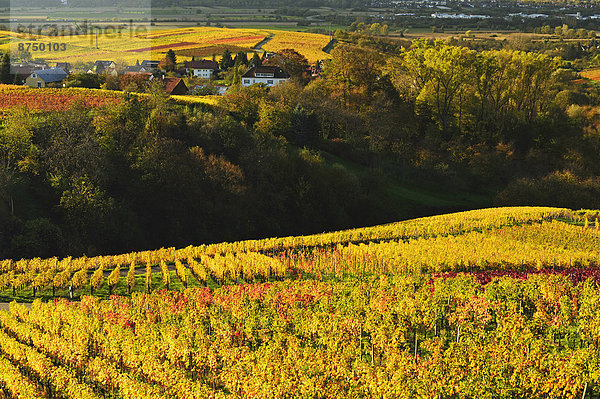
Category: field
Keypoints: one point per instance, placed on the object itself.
(50, 99)
(308, 44)
(127, 45)
(591, 73)
(58, 99)
(494, 303)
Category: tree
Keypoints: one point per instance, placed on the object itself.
(134, 82)
(112, 83)
(16, 150)
(305, 126)
(274, 119)
(293, 63)
(226, 60)
(255, 61)
(354, 68)
(450, 69)
(169, 63)
(161, 116)
(241, 58)
(375, 28)
(5, 69)
(87, 208)
(39, 237)
(119, 128)
(245, 103)
(87, 80)
(171, 57)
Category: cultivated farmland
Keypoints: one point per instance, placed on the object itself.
(129, 46)
(349, 313)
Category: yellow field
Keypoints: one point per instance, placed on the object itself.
(309, 45)
(209, 100)
(128, 46)
(7, 33)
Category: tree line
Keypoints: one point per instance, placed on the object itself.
(302, 157)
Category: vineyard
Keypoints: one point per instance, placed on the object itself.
(60, 99)
(129, 46)
(54, 99)
(493, 303)
(309, 45)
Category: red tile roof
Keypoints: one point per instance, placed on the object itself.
(172, 83)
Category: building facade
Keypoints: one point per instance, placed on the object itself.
(43, 77)
(202, 68)
(267, 75)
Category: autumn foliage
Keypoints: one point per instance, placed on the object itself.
(51, 99)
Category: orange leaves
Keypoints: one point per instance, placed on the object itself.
(475, 311)
(53, 99)
(113, 277)
(331, 342)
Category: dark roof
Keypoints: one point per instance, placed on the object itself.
(202, 64)
(104, 63)
(51, 75)
(275, 71)
(22, 69)
(135, 69)
(150, 64)
(172, 83)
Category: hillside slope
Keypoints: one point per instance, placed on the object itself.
(502, 239)
(371, 312)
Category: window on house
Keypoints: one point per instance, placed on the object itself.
(269, 82)
(39, 84)
(246, 81)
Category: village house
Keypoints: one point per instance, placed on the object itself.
(135, 69)
(105, 64)
(43, 77)
(23, 70)
(150, 65)
(175, 86)
(65, 66)
(268, 75)
(146, 66)
(21, 73)
(105, 68)
(201, 68)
